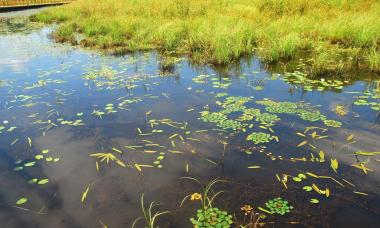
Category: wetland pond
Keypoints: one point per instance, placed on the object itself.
(84, 135)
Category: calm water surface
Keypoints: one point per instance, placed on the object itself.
(60, 105)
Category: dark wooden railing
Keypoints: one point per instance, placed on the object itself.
(26, 3)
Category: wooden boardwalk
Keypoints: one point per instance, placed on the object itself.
(15, 4)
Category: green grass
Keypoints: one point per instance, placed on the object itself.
(335, 34)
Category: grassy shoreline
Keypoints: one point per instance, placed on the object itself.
(335, 35)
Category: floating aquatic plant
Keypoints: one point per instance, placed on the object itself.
(267, 118)
(213, 117)
(309, 84)
(278, 206)
(249, 114)
(212, 217)
(208, 215)
(259, 137)
(303, 110)
(311, 116)
(341, 110)
(332, 123)
(230, 124)
(21, 201)
(369, 98)
(107, 157)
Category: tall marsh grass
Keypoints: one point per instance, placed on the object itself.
(221, 31)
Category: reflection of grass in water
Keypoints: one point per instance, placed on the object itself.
(222, 31)
(17, 24)
(374, 59)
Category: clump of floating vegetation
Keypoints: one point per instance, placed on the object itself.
(208, 215)
(370, 98)
(259, 137)
(278, 206)
(337, 35)
(212, 217)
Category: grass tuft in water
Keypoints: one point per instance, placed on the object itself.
(149, 215)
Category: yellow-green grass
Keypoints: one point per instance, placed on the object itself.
(335, 35)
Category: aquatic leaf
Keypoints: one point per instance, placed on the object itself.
(297, 179)
(30, 142)
(334, 164)
(314, 201)
(350, 137)
(315, 187)
(278, 177)
(39, 156)
(32, 181)
(283, 180)
(302, 143)
(138, 167)
(362, 167)
(300, 134)
(212, 162)
(11, 129)
(307, 188)
(187, 167)
(14, 141)
(312, 174)
(21, 201)
(43, 181)
(367, 153)
(302, 176)
(264, 210)
(254, 167)
(321, 156)
(29, 164)
(360, 193)
(117, 150)
(121, 163)
(84, 195)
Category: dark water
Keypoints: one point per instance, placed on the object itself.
(45, 85)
